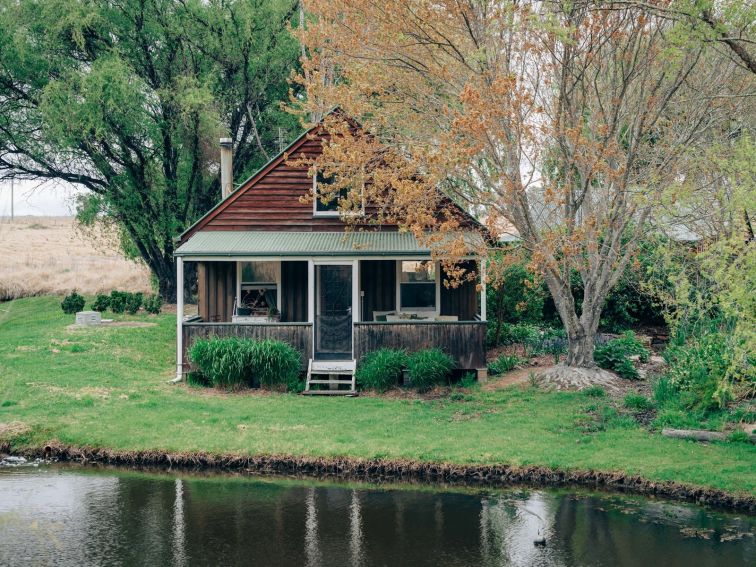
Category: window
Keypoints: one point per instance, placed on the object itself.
(259, 288)
(331, 199)
(417, 285)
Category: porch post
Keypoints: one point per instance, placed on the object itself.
(179, 318)
(311, 302)
(483, 288)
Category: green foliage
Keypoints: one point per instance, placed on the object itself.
(72, 303)
(274, 363)
(101, 302)
(594, 392)
(118, 301)
(133, 302)
(153, 304)
(82, 99)
(638, 402)
(504, 363)
(615, 355)
(428, 368)
(699, 366)
(231, 362)
(225, 362)
(469, 380)
(382, 369)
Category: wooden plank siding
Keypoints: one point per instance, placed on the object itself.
(216, 290)
(463, 341)
(461, 301)
(293, 291)
(378, 282)
(298, 335)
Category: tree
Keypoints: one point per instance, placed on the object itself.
(129, 98)
(566, 120)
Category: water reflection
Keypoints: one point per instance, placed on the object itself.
(62, 516)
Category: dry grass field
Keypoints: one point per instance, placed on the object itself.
(47, 255)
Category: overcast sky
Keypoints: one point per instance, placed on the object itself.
(32, 199)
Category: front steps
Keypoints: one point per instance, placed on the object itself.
(339, 372)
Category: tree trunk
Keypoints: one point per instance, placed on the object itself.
(580, 349)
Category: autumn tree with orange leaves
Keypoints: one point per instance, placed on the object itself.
(564, 120)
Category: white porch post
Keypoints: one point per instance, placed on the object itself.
(483, 262)
(355, 291)
(179, 318)
(311, 301)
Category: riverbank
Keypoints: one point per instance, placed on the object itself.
(385, 470)
(102, 395)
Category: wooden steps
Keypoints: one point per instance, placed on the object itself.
(339, 372)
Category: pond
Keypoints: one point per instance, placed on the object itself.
(67, 515)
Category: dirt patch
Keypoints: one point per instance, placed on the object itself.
(13, 429)
(377, 470)
(512, 378)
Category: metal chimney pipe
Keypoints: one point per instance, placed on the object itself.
(227, 177)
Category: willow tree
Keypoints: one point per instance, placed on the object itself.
(565, 120)
(128, 99)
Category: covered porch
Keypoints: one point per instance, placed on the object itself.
(333, 296)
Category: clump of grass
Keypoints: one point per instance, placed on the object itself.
(638, 402)
(428, 368)
(382, 369)
(594, 392)
(504, 363)
(232, 362)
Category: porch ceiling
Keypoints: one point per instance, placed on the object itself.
(305, 244)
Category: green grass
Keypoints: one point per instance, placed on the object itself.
(108, 388)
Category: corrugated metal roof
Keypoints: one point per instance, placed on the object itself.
(247, 243)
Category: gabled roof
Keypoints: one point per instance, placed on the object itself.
(251, 180)
(277, 161)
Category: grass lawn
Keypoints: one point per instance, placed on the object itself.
(108, 388)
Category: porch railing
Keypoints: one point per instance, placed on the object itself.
(464, 340)
(298, 335)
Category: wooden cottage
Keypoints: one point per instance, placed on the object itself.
(272, 265)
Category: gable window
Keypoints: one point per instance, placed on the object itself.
(259, 289)
(417, 285)
(327, 200)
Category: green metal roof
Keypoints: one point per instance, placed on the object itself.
(233, 243)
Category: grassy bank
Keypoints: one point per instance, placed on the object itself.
(108, 388)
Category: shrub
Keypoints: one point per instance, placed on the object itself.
(133, 302)
(429, 367)
(638, 402)
(615, 355)
(101, 303)
(504, 363)
(153, 304)
(224, 362)
(381, 370)
(117, 301)
(698, 366)
(274, 363)
(233, 362)
(72, 303)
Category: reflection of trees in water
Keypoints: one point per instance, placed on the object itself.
(142, 520)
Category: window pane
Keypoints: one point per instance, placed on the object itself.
(424, 271)
(418, 295)
(322, 187)
(259, 272)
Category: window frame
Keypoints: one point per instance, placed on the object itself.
(240, 285)
(436, 309)
(337, 212)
